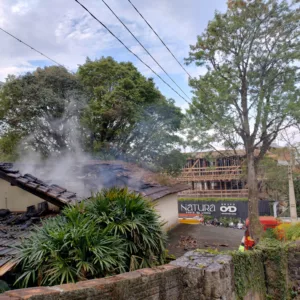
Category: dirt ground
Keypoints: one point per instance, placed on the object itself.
(186, 237)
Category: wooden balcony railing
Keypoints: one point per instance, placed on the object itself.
(243, 193)
(211, 173)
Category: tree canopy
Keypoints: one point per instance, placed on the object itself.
(108, 108)
(40, 107)
(250, 91)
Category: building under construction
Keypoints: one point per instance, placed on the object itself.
(215, 174)
(221, 174)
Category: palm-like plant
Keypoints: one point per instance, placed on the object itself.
(115, 231)
(69, 248)
(129, 216)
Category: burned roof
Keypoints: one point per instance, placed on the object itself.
(80, 181)
(15, 227)
(52, 193)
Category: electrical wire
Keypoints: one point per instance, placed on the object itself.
(143, 47)
(32, 48)
(94, 17)
(160, 39)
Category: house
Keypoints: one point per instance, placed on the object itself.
(25, 199)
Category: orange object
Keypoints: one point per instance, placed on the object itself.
(267, 222)
(249, 242)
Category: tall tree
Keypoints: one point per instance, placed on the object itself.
(118, 94)
(127, 115)
(39, 108)
(249, 93)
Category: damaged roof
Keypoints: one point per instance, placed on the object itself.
(52, 193)
(14, 227)
(87, 178)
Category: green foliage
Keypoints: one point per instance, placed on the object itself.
(274, 178)
(3, 286)
(275, 259)
(69, 248)
(250, 91)
(248, 272)
(226, 221)
(128, 118)
(113, 232)
(34, 106)
(130, 216)
(292, 232)
(108, 109)
(212, 199)
(9, 147)
(242, 73)
(269, 234)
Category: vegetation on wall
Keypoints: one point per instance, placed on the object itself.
(248, 272)
(114, 232)
(262, 270)
(275, 260)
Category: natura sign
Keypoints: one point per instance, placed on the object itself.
(217, 209)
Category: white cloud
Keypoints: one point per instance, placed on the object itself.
(65, 32)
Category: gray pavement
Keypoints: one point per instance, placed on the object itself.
(186, 237)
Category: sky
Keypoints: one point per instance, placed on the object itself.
(65, 32)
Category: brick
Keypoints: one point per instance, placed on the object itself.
(5, 297)
(31, 292)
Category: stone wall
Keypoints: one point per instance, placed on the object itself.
(195, 276)
(198, 275)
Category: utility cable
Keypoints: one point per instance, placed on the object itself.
(131, 51)
(32, 48)
(160, 39)
(144, 47)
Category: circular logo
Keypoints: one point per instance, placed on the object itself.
(231, 209)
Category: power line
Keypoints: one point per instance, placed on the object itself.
(131, 51)
(32, 48)
(160, 39)
(143, 47)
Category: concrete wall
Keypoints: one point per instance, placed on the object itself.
(16, 199)
(167, 207)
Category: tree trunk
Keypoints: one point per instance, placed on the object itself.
(255, 227)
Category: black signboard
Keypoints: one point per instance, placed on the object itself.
(217, 209)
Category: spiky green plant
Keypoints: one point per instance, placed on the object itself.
(69, 248)
(129, 216)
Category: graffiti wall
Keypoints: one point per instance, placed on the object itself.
(218, 209)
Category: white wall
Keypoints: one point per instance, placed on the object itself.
(17, 200)
(167, 207)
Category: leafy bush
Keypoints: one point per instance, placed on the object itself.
(114, 232)
(129, 216)
(226, 221)
(69, 248)
(270, 234)
(293, 232)
(288, 232)
(280, 231)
